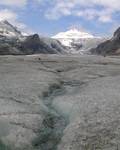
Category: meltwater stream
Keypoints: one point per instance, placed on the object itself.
(55, 122)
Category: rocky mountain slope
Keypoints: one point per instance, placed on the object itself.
(13, 42)
(109, 47)
(34, 44)
(78, 41)
(8, 30)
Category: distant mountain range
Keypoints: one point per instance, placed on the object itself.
(74, 41)
(109, 47)
(78, 41)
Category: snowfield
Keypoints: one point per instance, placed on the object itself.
(77, 41)
(51, 102)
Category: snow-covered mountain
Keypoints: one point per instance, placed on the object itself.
(13, 42)
(78, 41)
(8, 30)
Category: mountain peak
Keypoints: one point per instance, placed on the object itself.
(74, 29)
(117, 33)
(77, 40)
(5, 22)
(8, 30)
(73, 33)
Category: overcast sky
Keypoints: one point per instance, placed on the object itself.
(47, 17)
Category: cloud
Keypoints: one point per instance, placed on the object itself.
(105, 18)
(102, 10)
(22, 27)
(6, 14)
(18, 3)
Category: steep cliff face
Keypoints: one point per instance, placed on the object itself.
(117, 34)
(109, 47)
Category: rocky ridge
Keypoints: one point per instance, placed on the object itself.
(109, 47)
(12, 42)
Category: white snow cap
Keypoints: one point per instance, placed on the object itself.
(77, 40)
(73, 33)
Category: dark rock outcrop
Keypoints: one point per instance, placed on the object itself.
(109, 47)
(33, 44)
(117, 34)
